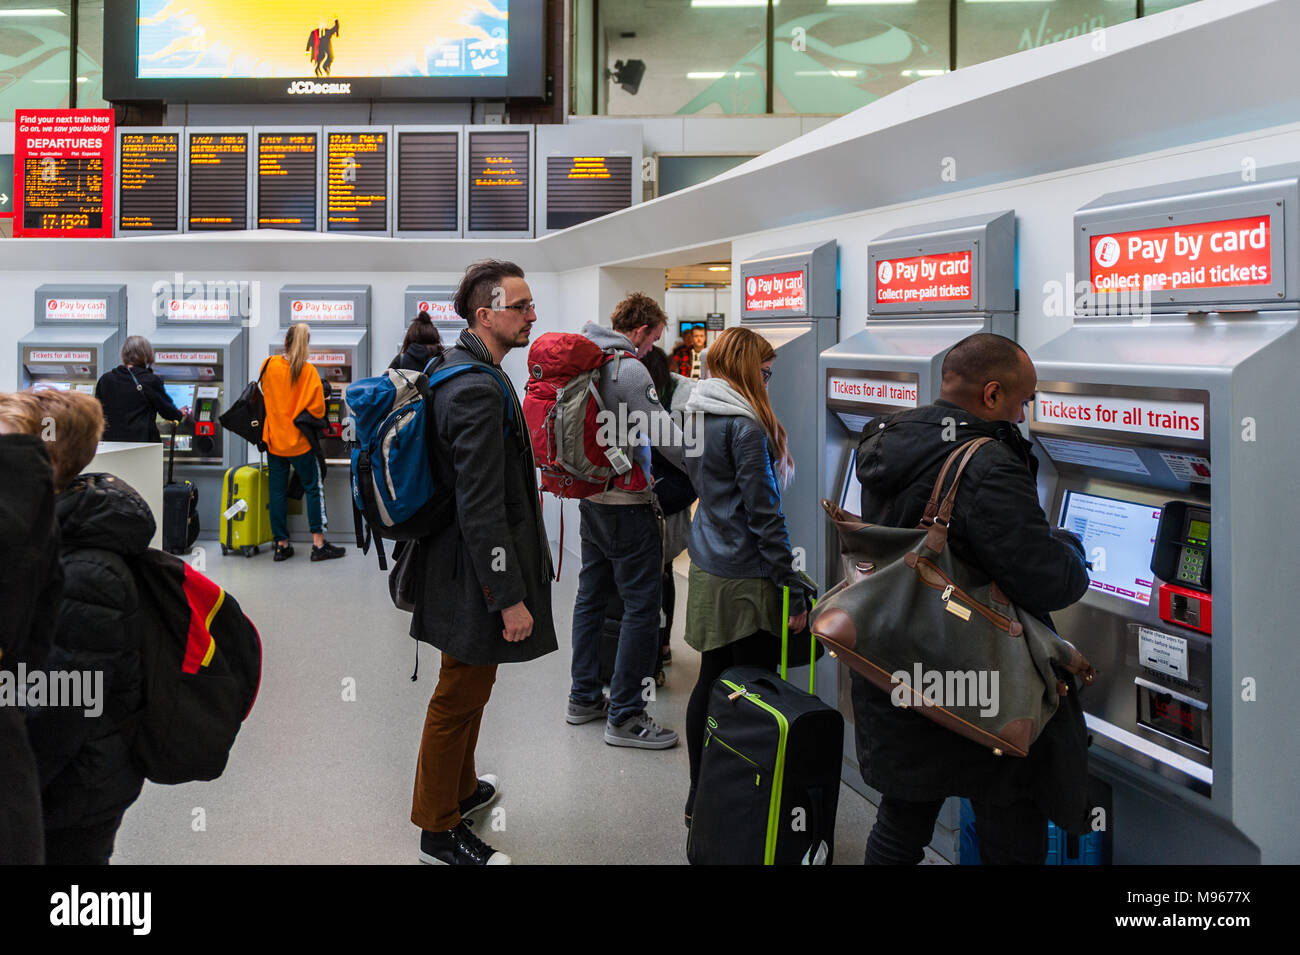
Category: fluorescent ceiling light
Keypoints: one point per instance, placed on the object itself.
(847, 74)
(866, 3)
(923, 72)
(719, 268)
(33, 12)
(733, 3)
(1007, 1)
(80, 79)
(717, 76)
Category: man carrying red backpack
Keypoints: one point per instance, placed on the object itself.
(622, 546)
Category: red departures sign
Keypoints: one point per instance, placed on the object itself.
(1218, 254)
(63, 173)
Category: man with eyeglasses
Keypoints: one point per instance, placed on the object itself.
(622, 545)
(484, 596)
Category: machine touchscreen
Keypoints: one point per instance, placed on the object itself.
(181, 395)
(1118, 537)
(851, 498)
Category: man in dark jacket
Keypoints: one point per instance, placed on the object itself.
(997, 527)
(485, 596)
(30, 588)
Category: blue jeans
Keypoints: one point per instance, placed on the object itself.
(278, 479)
(621, 551)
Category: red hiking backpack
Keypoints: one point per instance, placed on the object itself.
(561, 404)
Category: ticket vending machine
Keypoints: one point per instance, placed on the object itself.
(436, 300)
(928, 286)
(201, 354)
(1165, 425)
(790, 297)
(78, 336)
(339, 316)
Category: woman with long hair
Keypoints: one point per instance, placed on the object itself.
(740, 551)
(420, 345)
(292, 385)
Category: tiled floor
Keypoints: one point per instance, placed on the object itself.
(317, 777)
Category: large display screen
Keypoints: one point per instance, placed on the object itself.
(218, 168)
(1118, 539)
(254, 39)
(291, 50)
(286, 180)
(499, 182)
(427, 181)
(356, 182)
(149, 169)
(579, 188)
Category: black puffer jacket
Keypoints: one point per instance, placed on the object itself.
(87, 776)
(998, 527)
(417, 357)
(134, 400)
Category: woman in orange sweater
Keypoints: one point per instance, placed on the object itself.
(291, 385)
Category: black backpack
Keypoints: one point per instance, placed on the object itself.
(201, 663)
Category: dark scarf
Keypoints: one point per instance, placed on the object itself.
(474, 346)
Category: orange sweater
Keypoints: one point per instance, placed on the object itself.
(285, 400)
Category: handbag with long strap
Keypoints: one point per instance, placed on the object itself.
(918, 623)
(247, 416)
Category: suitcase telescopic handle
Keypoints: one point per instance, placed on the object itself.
(171, 458)
(785, 641)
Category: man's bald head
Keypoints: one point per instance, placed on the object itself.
(990, 376)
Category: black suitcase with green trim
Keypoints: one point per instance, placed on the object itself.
(769, 781)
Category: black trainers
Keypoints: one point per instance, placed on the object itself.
(488, 792)
(285, 552)
(458, 846)
(327, 551)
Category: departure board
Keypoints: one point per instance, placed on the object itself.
(427, 182)
(63, 172)
(149, 170)
(218, 182)
(499, 184)
(63, 194)
(286, 180)
(357, 182)
(579, 188)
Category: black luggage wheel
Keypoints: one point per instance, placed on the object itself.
(248, 551)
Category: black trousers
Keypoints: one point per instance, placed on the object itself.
(1008, 835)
(761, 649)
(82, 845)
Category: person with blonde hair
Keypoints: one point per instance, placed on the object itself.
(133, 396)
(290, 386)
(740, 550)
(88, 778)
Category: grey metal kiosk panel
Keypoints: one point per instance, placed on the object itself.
(77, 336)
(816, 294)
(428, 167)
(954, 266)
(437, 301)
(151, 179)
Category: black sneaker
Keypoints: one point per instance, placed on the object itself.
(488, 792)
(285, 552)
(327, 551)
(458, 846)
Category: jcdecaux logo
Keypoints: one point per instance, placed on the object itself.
(300, 87)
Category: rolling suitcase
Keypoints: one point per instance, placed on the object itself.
(180, 517)
(769, 781)
(245, 510)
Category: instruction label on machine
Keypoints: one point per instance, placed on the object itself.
(58, 356)
(184, 357)
(1162, 652)
(76, 310)
(875, 391)
(1169, 419)
(1188, 467)
(320, 310)
(1105, 456)
(944, 277)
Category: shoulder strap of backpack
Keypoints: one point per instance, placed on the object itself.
(445, 371)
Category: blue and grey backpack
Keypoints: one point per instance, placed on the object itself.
(394, 493)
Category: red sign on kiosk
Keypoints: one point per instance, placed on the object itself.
(776, 292)
(1219, 254)
(944, 277)
(63, 173)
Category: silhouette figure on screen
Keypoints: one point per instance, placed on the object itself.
(320, 47)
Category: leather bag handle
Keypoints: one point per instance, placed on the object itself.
(938, 523)
(932, 505)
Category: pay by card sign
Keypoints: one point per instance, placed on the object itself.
(778, 292)
(1169, 419)
(1219, 254)
(924, 278)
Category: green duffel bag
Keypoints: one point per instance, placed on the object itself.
(910, 619)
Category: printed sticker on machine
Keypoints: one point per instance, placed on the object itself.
(875, 391)
(320, 310)
(76, 309)
(1169, 419)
